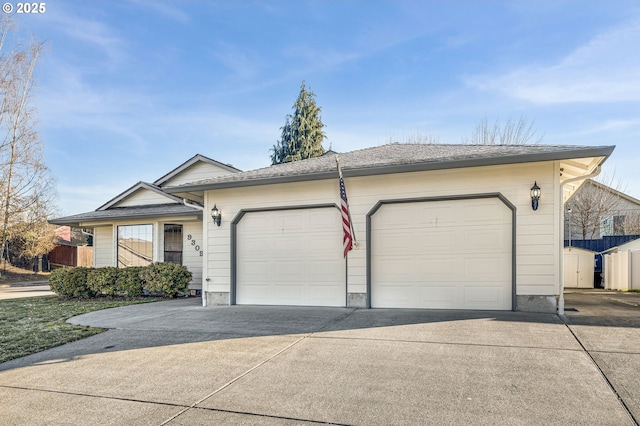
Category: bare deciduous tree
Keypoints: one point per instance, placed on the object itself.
(631, 224)
(512, 132)
(415, 138)
(593, 202)
(25, 183)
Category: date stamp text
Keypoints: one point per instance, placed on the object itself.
(31, 8)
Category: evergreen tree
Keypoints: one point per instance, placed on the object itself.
(302, 134)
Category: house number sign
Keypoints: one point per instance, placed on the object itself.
(194, 244)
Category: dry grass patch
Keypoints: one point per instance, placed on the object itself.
(33, 324)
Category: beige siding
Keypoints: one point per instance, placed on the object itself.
(195, 173)
(103, 246)
(144, 197)
(191, 257)
(537, 235)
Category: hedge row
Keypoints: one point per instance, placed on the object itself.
(165, 279)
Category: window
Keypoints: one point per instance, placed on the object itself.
(173, 244)
(135, 245)
(612, 225)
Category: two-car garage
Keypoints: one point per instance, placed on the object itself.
(437, 253)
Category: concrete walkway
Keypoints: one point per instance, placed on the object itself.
(25, 289)
(178, 363)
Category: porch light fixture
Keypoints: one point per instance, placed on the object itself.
(535, 196)
(216, 215)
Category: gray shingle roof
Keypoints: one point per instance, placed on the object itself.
(119, 213)
(397, 158)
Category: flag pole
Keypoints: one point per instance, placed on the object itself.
(353, 232)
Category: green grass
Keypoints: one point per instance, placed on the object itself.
(33, 324)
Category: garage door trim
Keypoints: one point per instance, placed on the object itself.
(234, 233)
(497, 195)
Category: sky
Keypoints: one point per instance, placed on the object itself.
(128, 90)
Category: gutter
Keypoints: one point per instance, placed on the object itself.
(595, 173)
(191, 204)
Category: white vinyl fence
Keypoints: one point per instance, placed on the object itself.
(622, 270)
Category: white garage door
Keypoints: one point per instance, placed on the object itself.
(442, 255)
(291, 257)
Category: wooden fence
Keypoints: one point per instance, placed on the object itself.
(71, 256)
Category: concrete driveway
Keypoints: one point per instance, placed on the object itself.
(177, 363)
(607, 324)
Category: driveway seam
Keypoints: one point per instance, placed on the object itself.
(372, 339)
(232, 381)
(596, 351)
(226, 385)
(88, 395)
(604, 376)
(246, 413)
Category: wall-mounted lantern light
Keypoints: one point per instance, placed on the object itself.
(216, 215)
(535, 196)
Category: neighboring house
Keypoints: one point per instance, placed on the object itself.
(72, 248)
(597, 211)
(436, 226)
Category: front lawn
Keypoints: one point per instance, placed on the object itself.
(33, 324)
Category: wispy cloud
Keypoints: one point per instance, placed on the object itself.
(164, 9)
(616, 125)
(95, 34)
(605, 69)
(243, 63)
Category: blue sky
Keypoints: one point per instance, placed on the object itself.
(128, 90)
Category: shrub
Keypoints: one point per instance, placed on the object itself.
(169, 279)
(71, 282)
(56, 280)
(103, 280)
(130, 281)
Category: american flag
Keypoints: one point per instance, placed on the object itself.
(347, 237)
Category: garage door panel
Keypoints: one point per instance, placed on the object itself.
(284, 246)
(289, 270)
(395, 294)
(321, 222)
(390, 269)
(324, 270)
(257, 292)
(486, 239)
(295, 261)
(257, 245)
(486, 298)
(435, 241)
(457, 255)
(321, 294)
(432, 217)
(440, 266)
(257, 269)
(485, 268)
(484, 214)
(396, 240)
(288, 293)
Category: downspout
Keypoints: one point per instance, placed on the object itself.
(595, 173)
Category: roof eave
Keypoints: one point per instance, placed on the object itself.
(604, 152)
(109, 220)
(190, 162)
